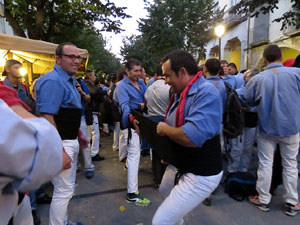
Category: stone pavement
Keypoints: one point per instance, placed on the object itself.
(100, 201)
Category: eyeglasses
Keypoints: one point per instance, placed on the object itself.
(73, 57)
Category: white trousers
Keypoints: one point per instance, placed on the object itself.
(266, 146)
(86, 153)
(95, 134)
(133, 160)
(64, 186)
(23, 215)
(241, 149)
(190, 191)
(115, 145)
(123, 144)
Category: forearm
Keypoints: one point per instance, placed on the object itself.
(177, 135)
(87, 98)
(50, 118)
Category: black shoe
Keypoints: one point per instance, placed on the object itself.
(97, 158)
(44, 200)
(207, 201)
(89, 174)
(36, 218)
(145, 152)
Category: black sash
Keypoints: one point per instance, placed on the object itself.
(204, 161)
(68, 123)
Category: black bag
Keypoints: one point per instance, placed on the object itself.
(240, 185)
(251, 119)
(233, 117)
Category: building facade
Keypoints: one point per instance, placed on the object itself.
(245, 38)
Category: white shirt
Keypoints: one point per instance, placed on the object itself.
(157, 97)
(30, 155)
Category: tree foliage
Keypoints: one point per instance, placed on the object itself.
(44, 19)
(255, 7)
(173, 24)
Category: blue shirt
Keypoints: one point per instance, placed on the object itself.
(202, 112)
(239, 79)
(22, 93)
(231, 80)
(55, 90)
(276, 93)
(87, 91)
(219, 84)
(129, 97)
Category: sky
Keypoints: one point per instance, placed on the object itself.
(135, 8)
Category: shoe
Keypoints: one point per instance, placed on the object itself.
(74, 223)
(97, 158)
(123, 160)
(137, 199)
(207, 201)
(44, 200)
(89, 174)
(255, 201)
(292, 210)
(36, 218)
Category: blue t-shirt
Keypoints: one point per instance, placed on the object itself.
(202, 112)
(85, 90)
(276, 93)
(56, 90)
(129, 97)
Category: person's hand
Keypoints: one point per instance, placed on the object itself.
(136, 126)
(67, 161)
(79, 89)
(164, 162)
(83, 141)
(161, 128)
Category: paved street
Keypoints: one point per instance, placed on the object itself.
(101, 200)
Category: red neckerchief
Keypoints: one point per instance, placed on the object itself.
(155, 77)
(180, 108)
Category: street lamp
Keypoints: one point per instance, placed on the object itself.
(219, 31)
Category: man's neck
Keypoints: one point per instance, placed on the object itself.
(13, 81)
(268, 63)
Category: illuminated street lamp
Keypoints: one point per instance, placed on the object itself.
(219, 31)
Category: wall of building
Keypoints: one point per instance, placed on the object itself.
(5, 28)
(262, 31)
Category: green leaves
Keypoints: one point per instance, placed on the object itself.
(255, 7)
(171, 25)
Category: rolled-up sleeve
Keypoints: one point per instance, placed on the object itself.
(49, 94)
(204, 118)
(31, 150)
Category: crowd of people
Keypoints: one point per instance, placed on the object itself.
(208, 112)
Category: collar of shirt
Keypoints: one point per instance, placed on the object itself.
(8, 84)
(273, 65)
(213, 78)
(63, 75)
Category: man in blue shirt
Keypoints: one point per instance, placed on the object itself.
(130, 95)
(276, 93)
(193, 120)
(211, 69)
(60, 103)
(225, 76)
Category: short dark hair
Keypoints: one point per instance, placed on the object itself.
(9, 63)
(297, 62)
(223, 61)
(232, 65)
(159, 70)
(213, 66)
(120, 74)
(60, 48)
(272, 53)
(180, 58)
(131, 63)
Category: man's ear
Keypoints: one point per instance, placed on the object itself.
(182, 72)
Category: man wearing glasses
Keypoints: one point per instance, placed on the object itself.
(60, 103)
